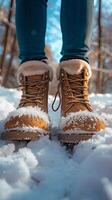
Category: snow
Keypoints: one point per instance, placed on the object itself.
(81, 116)
(31, 112)
(29, 129)
(44, 170)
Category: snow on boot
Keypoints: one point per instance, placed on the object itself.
(30, 120)
(78, 121)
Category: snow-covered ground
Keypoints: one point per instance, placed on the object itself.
(46, 171)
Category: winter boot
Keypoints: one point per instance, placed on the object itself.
(78, 121)
(30, 121)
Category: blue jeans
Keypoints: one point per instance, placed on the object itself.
(76, 25)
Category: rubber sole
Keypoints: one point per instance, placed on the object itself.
(74, 138)
(15, 135)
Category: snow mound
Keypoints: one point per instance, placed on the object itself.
(44, 170)
(29, 111)
(81, 116)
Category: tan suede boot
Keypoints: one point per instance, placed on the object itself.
(30, 121)
(78, 121)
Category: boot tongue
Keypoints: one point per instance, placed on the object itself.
(77, 83)
(34, 91)
(79, 77)
(34, 78)
(34, 81)
(77, 89)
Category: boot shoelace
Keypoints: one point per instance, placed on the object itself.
(75, 90)
(33, 92)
